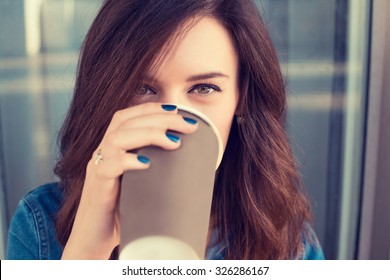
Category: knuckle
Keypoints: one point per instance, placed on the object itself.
(111, 138)
(129, 122)
(118, 115)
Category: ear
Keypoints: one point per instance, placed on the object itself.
(240, 108)
(239, 112)
(240, 119)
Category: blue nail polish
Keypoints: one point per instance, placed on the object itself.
(172, 137)
(168, 107)
(143, 159)
(189, 120)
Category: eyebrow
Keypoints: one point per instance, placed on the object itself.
(197, 77)
(206, 76)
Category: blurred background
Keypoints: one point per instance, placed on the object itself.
(335, 57)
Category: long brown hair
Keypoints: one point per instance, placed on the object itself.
(259, 206)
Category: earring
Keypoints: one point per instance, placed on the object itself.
(240, 120)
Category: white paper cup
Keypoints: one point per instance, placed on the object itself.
(165, 209)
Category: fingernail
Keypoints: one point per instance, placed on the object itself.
(189, 120)
(168, 107)
(143, 159)
(172, 137)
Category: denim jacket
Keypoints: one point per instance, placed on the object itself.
(32, 232)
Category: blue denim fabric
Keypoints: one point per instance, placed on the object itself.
(32, 234)
(312, 250)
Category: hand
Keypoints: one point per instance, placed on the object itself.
(96, 229)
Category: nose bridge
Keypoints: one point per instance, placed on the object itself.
(174, 96)
(169, 97)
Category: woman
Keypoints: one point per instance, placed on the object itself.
(138, 60)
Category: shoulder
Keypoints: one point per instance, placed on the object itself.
(312, 246)
(32, 232)
(47, 197)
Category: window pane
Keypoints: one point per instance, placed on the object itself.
(323, 49)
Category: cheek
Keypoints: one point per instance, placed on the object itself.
(224, 130)
(222, 121)
(221, 114)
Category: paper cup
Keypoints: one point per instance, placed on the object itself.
(165, 210)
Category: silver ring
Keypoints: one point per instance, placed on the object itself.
(98, 157)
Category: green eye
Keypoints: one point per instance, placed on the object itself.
(204, 89)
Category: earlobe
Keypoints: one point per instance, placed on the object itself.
(240, 119)
(240, 107)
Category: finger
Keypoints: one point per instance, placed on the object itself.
(175, 122)
(112, 167)
(134, 138)
(143, 109)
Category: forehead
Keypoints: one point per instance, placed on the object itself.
(206, 46)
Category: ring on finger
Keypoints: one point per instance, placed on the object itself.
(98, 157)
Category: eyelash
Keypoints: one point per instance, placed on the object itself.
(211, 86)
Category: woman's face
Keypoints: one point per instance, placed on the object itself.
(201, 73)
